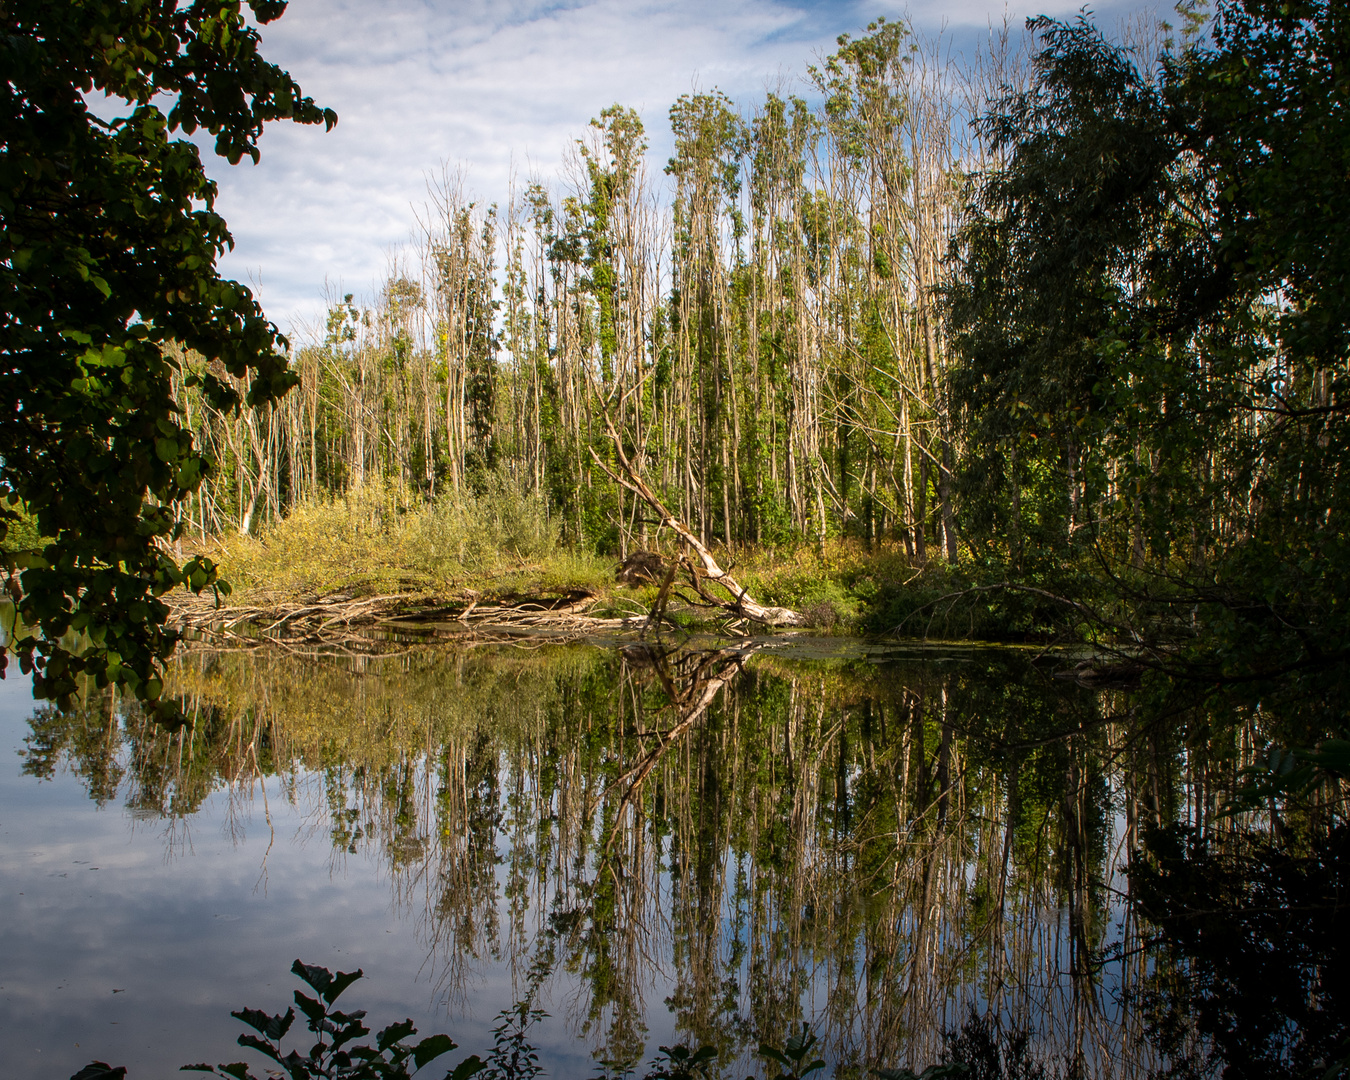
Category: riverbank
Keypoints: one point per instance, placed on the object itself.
(352, 561)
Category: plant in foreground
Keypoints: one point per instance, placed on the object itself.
(792, 1059)
(513, 1056)
(682, 1063)
(337, 1056)
(332, 1058)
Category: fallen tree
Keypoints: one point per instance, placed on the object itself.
(701, 568)
(341, 619)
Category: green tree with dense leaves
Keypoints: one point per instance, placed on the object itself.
(1057, 243)
(108, 248)
(1154, 342)
(1153, 331)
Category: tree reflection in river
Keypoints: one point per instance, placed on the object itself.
(882, 846)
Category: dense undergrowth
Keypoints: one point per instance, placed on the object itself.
(379, 539)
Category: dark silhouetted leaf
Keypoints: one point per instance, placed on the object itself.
(313, 1011)
(319, 978)
(341, 981)
(99, 1070)
(394, 1033)
(260, 1045)
(432, 1047)
(470, 1066)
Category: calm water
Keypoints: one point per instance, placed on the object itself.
(704, 846)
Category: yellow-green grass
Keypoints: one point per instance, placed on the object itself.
(377, 539)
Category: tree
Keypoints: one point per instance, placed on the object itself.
(108, 246)
(1056, 242)
(1154, 348)
(1154, 341)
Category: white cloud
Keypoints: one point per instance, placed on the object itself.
(494, 86)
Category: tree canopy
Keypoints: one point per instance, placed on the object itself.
(108, 249)
(1153, 348)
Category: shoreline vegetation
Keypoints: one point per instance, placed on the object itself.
(378, 556)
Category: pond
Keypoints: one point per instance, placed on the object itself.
(699, 845)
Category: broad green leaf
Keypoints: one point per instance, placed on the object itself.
(432, 1047)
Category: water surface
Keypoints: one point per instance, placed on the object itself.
(702, 845)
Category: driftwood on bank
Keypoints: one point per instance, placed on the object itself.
(703, 572)
(343, 619)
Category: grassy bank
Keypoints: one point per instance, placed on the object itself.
(380, 540)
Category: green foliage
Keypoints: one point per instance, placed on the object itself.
(376, 537)
(759, 364)
(682, 1063)
(22, 533)
(984, 1049)
(824, 599)
(1056, 239)
(1154, 342)
(860, 81)
(478, 533)
(709, 140)
(108, 244)
(513, 1056)
(331, 1058)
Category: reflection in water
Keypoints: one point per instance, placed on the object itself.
(880, 846)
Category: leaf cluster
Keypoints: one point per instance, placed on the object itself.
(331, 1058)
(108, 245)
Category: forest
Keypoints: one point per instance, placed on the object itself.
(761, 320)
(1045, 345)
(1053, 333)
(1056, 333)
(1055, 316)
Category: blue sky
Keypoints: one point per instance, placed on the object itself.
(499, 88)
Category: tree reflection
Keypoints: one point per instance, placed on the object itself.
(1257, 929)
(883, 847)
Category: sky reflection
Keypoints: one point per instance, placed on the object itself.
(129, 941)
(689, 845)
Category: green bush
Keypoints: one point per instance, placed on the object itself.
(968, 602)
(478, 533)
(381, 537)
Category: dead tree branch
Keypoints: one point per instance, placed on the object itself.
(740, 602)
